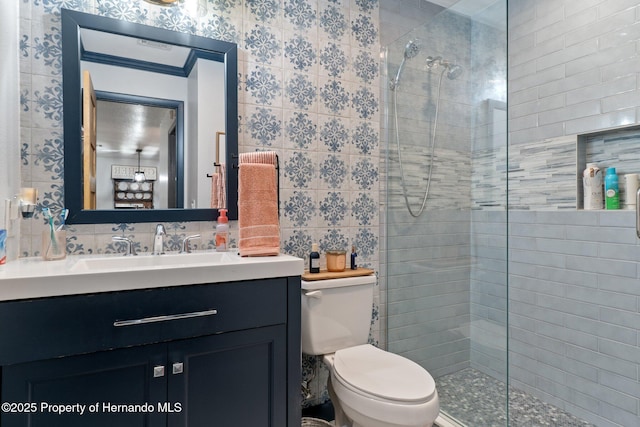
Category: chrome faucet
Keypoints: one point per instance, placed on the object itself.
(130, 250)
(185, 247)
(158, 240)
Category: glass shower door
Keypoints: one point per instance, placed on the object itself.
(446, 207)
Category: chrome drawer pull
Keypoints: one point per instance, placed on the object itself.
(166, 318)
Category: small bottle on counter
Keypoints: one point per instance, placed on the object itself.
(592, 186)
(314, 259)
(353, 257)
(3, 247)
(222, 231)
(611, 189)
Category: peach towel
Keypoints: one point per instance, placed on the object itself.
(218, 188)
(258, 222)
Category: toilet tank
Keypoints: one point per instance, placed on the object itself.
(336, 313)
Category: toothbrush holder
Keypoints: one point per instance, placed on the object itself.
(51, 251)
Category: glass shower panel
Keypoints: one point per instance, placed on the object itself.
(445, 223)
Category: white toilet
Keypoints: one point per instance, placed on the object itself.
(368, 387)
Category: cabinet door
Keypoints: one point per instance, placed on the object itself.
(92, 383)
(230, 380)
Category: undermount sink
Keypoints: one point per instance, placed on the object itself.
(120, 262)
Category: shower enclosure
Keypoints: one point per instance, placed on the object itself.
(445, 228)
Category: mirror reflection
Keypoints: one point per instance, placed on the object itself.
(154, 106)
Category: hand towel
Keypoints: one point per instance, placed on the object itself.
(219, 188)
(258, 222)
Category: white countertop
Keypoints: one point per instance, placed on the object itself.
(84, 274)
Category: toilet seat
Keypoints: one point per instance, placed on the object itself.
(382, 375)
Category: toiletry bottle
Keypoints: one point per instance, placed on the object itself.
(611, 190)
(222, 231)
(592, 186)
(353, 257)
(3, 247)
(314, 259)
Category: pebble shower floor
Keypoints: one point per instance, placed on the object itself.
(477, 400)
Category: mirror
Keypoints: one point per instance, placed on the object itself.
(172, 134)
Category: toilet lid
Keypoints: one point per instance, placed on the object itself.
(383, 374)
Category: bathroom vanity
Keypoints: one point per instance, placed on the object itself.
(141, 343)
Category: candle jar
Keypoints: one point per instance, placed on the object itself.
(336, 260)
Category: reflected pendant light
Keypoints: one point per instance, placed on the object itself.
(163, 2)
(138, 175)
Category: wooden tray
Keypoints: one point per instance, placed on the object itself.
(324, 274)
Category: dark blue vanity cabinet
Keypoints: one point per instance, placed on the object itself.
(224, 355)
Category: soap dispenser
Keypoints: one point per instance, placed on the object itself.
(222, 231)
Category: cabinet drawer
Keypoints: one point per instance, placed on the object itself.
(53, 327)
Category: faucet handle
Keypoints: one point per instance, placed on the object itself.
(186, 247)
(130, 248)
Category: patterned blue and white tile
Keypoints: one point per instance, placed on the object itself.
(364, 138)
(264, 11)
(47, 155)
(334, 97)
(46, 102)
(364, 29)
(363, 173)
(333, 134)
(46, 46)
(333, 208)
(365, 67)
(25, 45)
(301, 130)
(365, 101)
(300, 91)
(26, 104)
(333, 21)
(298, 170)
(263, 85)
(364, 208)
(301, 15)
(333, 59)
(333, 171)
(263, 43)
(300, 52)
(298, 208)
(263, 127)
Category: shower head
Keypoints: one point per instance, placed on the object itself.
(454, 71)
(411, 49)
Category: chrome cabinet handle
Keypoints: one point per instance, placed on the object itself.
(177, 368)
(638, 214)
(167, 318)
(158, 371)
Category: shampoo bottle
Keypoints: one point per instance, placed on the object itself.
(611, 189)
(314, 259)
(222, 231)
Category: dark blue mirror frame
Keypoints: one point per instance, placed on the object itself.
(72, 22)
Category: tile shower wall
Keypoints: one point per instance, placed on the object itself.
(573, 68)
(308, 89)
(444, 308)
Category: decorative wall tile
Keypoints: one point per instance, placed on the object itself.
(307, 78)
(333, 134)
(300, 91)
(300, 130)
(264, 85)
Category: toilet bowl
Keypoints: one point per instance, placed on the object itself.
(369, 387)
(376, 388)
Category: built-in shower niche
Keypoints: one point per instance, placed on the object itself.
(618, 148)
